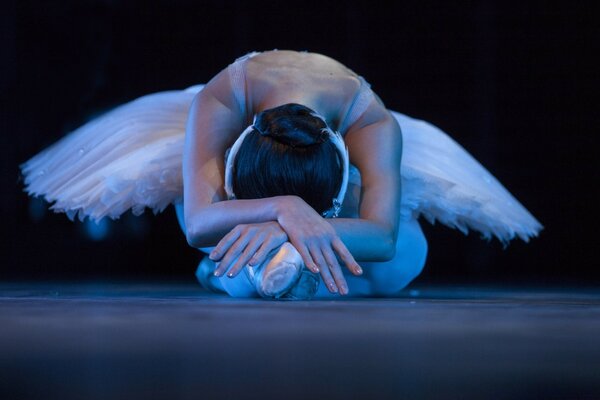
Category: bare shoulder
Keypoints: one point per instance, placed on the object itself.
(375, 140)
(219, 88)
(215, 119)
(315, 80)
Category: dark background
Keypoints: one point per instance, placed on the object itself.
(513, 82)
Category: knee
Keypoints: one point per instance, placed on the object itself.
(389, 278)
(394, 280)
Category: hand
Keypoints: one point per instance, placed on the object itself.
(317, 242)
(246, 244)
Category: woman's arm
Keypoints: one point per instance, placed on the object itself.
(214, 122)
(375, 146)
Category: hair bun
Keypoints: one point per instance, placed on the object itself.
(292, 124)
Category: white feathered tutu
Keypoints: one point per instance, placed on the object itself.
(131, 157)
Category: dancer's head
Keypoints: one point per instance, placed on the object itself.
(289, 150)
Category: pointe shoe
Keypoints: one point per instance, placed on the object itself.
(283, 276)
(305, 288)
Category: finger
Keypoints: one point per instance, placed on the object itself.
(306, 257)
(245, 256)
(346, 257)
(232, 254)
(224, 244)
(336, 271)
(261, 254)
(325, 273)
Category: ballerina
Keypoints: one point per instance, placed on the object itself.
(287, 118)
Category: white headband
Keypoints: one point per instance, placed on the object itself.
(335, 138)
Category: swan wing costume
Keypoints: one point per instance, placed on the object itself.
(131, 159)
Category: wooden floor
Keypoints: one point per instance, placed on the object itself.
(175, 341)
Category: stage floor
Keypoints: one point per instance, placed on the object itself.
(176, 341)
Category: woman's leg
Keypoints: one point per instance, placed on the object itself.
(390, 277)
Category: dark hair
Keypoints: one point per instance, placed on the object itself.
(288, 153)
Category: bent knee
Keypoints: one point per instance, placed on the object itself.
(389, 278)
(411, 249)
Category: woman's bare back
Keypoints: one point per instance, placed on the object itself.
(278, 77)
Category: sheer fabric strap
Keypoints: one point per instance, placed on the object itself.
(359, 105)
(237, 76)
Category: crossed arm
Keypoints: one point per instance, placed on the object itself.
(244, 231)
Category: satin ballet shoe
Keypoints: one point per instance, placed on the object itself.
(283, 276)
(278, 273)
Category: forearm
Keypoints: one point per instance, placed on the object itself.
(366, 240)
(207, 225)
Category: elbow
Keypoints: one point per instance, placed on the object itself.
(187, 226)
(191, 236)
(388, 249)
(195, 237)
(380, 246)
(199, 239)
(196, 229)
(387, 243)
